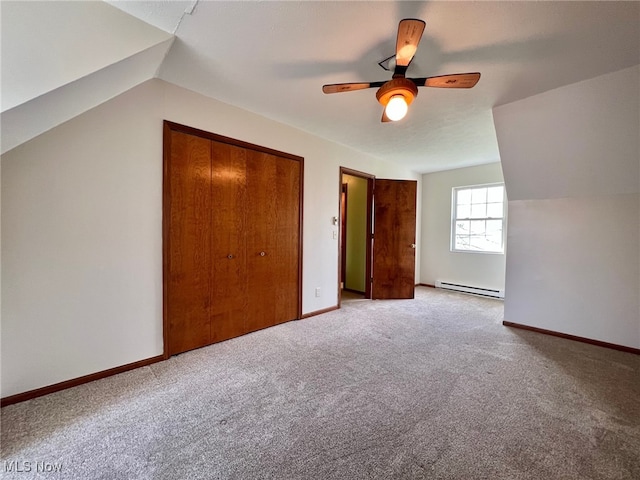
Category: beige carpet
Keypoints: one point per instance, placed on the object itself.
(431, 388)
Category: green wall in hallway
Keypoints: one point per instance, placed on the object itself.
(356, 232)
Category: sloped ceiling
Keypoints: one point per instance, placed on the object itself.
(165, 15)
(60, 59)
(272, 58)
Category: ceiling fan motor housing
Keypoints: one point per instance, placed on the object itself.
(397, 86)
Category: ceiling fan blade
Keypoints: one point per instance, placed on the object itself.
(409, 35)
(457, 80)
(348, 87)
(384, 118)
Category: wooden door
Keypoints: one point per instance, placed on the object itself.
(394, 239)
(261, 246)
(229, 306)
(343, 234)
(286, 276)
(231, 238)
(187, 255)
(273, 213)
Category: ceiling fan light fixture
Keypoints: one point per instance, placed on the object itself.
(399, 92)
(397, 108)
(396, 95)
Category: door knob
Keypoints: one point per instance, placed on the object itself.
(229, 256)
(262, 254)
(413, 245)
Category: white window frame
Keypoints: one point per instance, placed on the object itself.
(454, 218)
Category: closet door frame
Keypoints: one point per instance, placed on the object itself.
(169, 127)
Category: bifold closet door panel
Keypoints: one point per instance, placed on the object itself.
(189, 259)
(261, 239)
(286, 271)
(228, 241)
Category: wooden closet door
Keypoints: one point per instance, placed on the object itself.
(228, 241)
(286, 271)
(231, 238)
(261, 239)
(189, 259)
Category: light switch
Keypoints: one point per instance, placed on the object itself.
(335, 234)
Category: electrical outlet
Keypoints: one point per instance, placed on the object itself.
(317, 291)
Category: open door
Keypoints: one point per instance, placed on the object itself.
(394, 240)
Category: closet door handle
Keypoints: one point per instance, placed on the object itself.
(262, 254)
(230, 256)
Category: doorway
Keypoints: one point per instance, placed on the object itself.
(377, 237)
(355, 238)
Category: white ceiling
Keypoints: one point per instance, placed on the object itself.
(46, 45)
(60, 59)
(272, 58)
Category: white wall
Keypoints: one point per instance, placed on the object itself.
(438, 262)
(81, 245)
(571, 161)
(82, 230)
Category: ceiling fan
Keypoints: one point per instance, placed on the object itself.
(397, 94)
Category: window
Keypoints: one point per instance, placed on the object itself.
(478, 219)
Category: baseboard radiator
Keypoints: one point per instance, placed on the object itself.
(485, 292)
